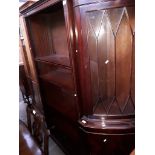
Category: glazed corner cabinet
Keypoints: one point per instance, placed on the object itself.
(81, 56)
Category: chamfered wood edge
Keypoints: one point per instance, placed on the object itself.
(38, 6)
(108, 124)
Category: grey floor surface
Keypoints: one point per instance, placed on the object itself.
(53, 147)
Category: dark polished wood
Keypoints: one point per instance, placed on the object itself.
(52, 51)
(46, 37)
(30, 69)
(55, 78)
(83, 51)
(27, 4)
(24, 85)
(105, 37)
(60, 99)
(37, 127)
(27, 144)
(108, 125)
(108, 39)
(105, 3)
(133, 152)
(110, 144)
(56, 59)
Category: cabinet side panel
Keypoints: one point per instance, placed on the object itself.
(28, 49)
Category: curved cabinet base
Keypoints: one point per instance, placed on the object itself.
(108, 135)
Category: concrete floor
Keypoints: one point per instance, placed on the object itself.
(53, 147)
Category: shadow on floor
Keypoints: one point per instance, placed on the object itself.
(53, 147)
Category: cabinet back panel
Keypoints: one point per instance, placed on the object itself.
(48, 37)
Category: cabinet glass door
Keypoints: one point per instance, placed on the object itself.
(108, 37)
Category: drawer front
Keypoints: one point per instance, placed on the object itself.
(110, 144)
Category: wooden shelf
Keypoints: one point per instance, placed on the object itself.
(59, 77)
(55, 59)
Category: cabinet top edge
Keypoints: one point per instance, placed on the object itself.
(38, 6)
(77, 3)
